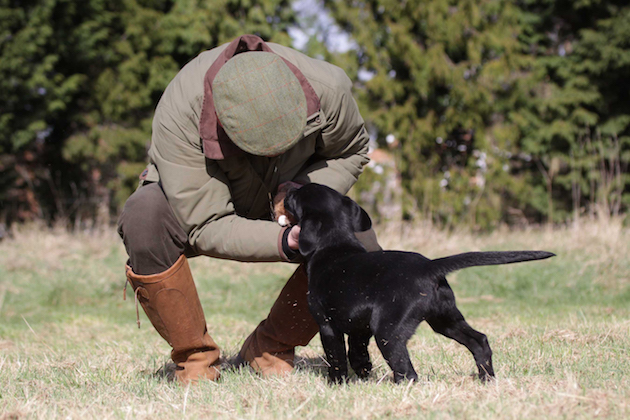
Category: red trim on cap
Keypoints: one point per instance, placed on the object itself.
(216, 143)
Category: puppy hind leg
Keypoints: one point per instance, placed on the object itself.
(335, 349)
(456, 328)
(359, 356)
(394, 350)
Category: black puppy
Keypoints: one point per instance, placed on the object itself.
(385, 294)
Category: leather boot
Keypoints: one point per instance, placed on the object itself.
(270, 348)
(171, 303)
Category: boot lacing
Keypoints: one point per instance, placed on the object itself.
(135, 293)
(137, 311)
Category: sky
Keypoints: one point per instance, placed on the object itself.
(324, 27)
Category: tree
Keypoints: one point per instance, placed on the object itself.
(443, 75)
(489, 102)
(78, 85)
(577, 125)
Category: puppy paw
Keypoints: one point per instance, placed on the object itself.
(401, 378)
(337, 380)
(337, 376)
(485, 378)
(364, 371)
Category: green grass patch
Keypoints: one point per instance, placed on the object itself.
(70, 347)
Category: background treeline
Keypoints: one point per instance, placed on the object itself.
(487, 111)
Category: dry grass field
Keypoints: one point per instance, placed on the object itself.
(70, 347)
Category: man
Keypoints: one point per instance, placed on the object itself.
(236, 123)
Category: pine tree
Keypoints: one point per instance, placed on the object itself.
(577, 123)
(78, 85)
(443, 75)
(499, 110)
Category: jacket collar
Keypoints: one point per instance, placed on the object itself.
(216, 143)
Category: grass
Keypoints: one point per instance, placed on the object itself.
(70, 347)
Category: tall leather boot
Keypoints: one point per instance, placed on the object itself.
(171, 303)
(270, 348)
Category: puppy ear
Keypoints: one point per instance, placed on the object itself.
(291, 208)
(358, 217)
(364, 222)
(309, 234)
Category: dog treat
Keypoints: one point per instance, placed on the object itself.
(279, 213)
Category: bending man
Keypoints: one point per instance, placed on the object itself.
(236, 123)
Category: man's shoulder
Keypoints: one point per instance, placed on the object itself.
(187, 85)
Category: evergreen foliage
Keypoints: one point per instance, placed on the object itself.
(78, 84)
(500, 110)
(496, 111)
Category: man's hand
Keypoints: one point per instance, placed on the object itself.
(293, 240)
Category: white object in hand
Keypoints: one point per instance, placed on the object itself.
(283, 220)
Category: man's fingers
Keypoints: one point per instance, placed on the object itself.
(294, 237)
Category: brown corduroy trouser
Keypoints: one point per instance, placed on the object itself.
(155, 242)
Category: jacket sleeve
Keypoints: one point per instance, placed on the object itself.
(341, 150)
(199, 194)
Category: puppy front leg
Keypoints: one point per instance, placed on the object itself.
(359, 356)
(335, 348)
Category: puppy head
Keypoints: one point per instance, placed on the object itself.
(325, 216)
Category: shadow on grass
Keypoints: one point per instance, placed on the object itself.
(316, 365)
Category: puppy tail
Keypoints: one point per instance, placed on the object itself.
(443, 266)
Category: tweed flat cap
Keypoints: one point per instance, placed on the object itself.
(260, 103)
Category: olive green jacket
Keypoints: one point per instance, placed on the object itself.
(224, 205)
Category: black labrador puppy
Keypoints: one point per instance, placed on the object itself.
(385, 294)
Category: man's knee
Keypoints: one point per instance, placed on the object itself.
(150, 231)
(145, 211)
